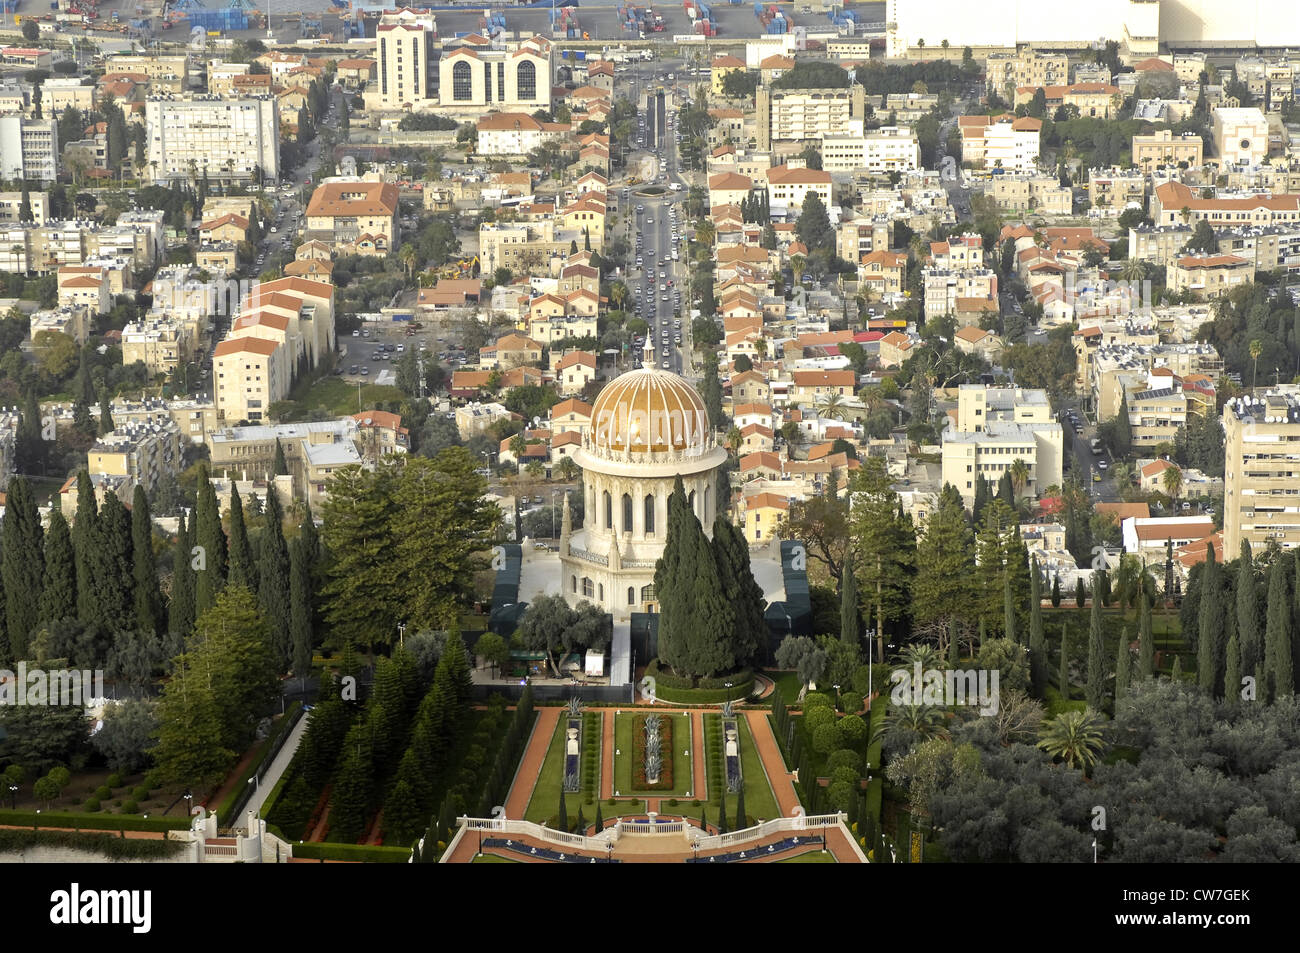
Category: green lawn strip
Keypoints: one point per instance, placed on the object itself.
(812, 857)
(493, 859)
(544, 805)
(339, 397)
(760, 802)
(682, 776)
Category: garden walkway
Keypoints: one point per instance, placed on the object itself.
(530, 765)
(773, 763)
(281, 764)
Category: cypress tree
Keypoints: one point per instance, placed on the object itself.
(1063, 672)
(1096, 684)
(144, 568)
(1008, 611)
(849, 621)
(111, 569)
(722, 809)
(1037, 641)
(180, 609)
(300, 608)
(742, 595)
(241, 553)
(564, 812)
(704, 817)
(1123, 661)
(22, 566)
(209, 536)
(273, 578)
(1056, 592)
(671, 570)
(1169, 568)
(741, 820)
(1232, 671)
(1007, 490)
(59, 587)
(84, 536)
(1209, 671)
(281, 465)
(600, 820)
(1080, 593)
(981, 499)
(105, 414)
(1279, 680)
(1248, 614)
(1146, 641)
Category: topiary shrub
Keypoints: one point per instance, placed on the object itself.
(92, 804)
(140, 793)
(816, 700)
(114, 780)
(130, 807)
(825, 738)
(818, 717)
(845, 758)
(852, 702)
(103, 792)
(847, 775)
(839, 794)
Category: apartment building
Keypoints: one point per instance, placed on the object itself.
(161, 72)
(141, 451)
(1095, 100)
(877, 151)
(231, 140)
(63, 92)
(1163, 148)
(944, 288)
(1261, 498)
(1173, 203)
(1007, 72)
(407, 70)
(787, 187)
(313, 451)
(1155, 414)
(784, 115)
(249, 376)
(360, 215)
(992, 429)
(158, 342)
(29, 149)
(523, 247)
(11, 204)
(1000, 142)
(516, 133)
(1116, 188)
(1110, 363)
(1210, 276)
(1030, 193)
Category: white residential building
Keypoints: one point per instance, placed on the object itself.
(230, 139)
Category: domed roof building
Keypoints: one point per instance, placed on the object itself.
(648, 427)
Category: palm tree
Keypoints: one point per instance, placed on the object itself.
(944, 44)
(1019, 471)
(1123, 474)
(904, 724)
(920, 45)
(832, 406)
(1133, 269)
(1256, 349)
(1075, 737)
(1173, 481)
(406, 255)
(797, 265)
(705, 232)
(568, 469)
(923, 653)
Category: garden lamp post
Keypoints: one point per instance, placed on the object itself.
(401, 633)
(13, 797)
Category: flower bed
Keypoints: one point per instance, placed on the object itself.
(665, 782)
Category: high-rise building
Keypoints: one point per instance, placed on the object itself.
(1261, 470)
(408, 59)
(226, 139)
(29, 149)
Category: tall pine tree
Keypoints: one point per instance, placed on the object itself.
(211, 540)
(1096, 684)
(1279, 680)
(59, 590)
(300, 607)
(1248, 614)
(1037, 638)
(241, 553)
(144, 568)
(22, 566)
(850, 622)
(84, 540)
(1146, 641)
(273, 579)
(111, 570)
(1213, 620)
(180, 609)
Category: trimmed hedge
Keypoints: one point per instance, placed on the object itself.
(665, 679)
(114, 848)
(92, 822)
(360, 853)
(877, 718)
(705, 696)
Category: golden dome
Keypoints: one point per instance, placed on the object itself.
(649, 411)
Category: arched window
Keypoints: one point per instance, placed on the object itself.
(573, 583)
(587, 587)
(526, 81)
(462, 82)
(649, 514)
(602, 592)
(609, 511)
(627, 513)
(648, 593)
(631, 596)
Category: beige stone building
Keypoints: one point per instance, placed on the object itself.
(1163, 148)
(1030, 193)
(992, 429)
(1260, 504)
(1210, 276)
(142, 452)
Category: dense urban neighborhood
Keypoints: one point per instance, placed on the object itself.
(792, 433)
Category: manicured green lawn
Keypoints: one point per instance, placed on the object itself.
(787, 683)
(760, 802)
(682, 779)
(812, 857)
(544, 806)
(339, 397)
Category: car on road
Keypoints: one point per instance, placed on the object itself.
(666, 365)
(1096, 477)
(1101, 465)
(353, 369)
